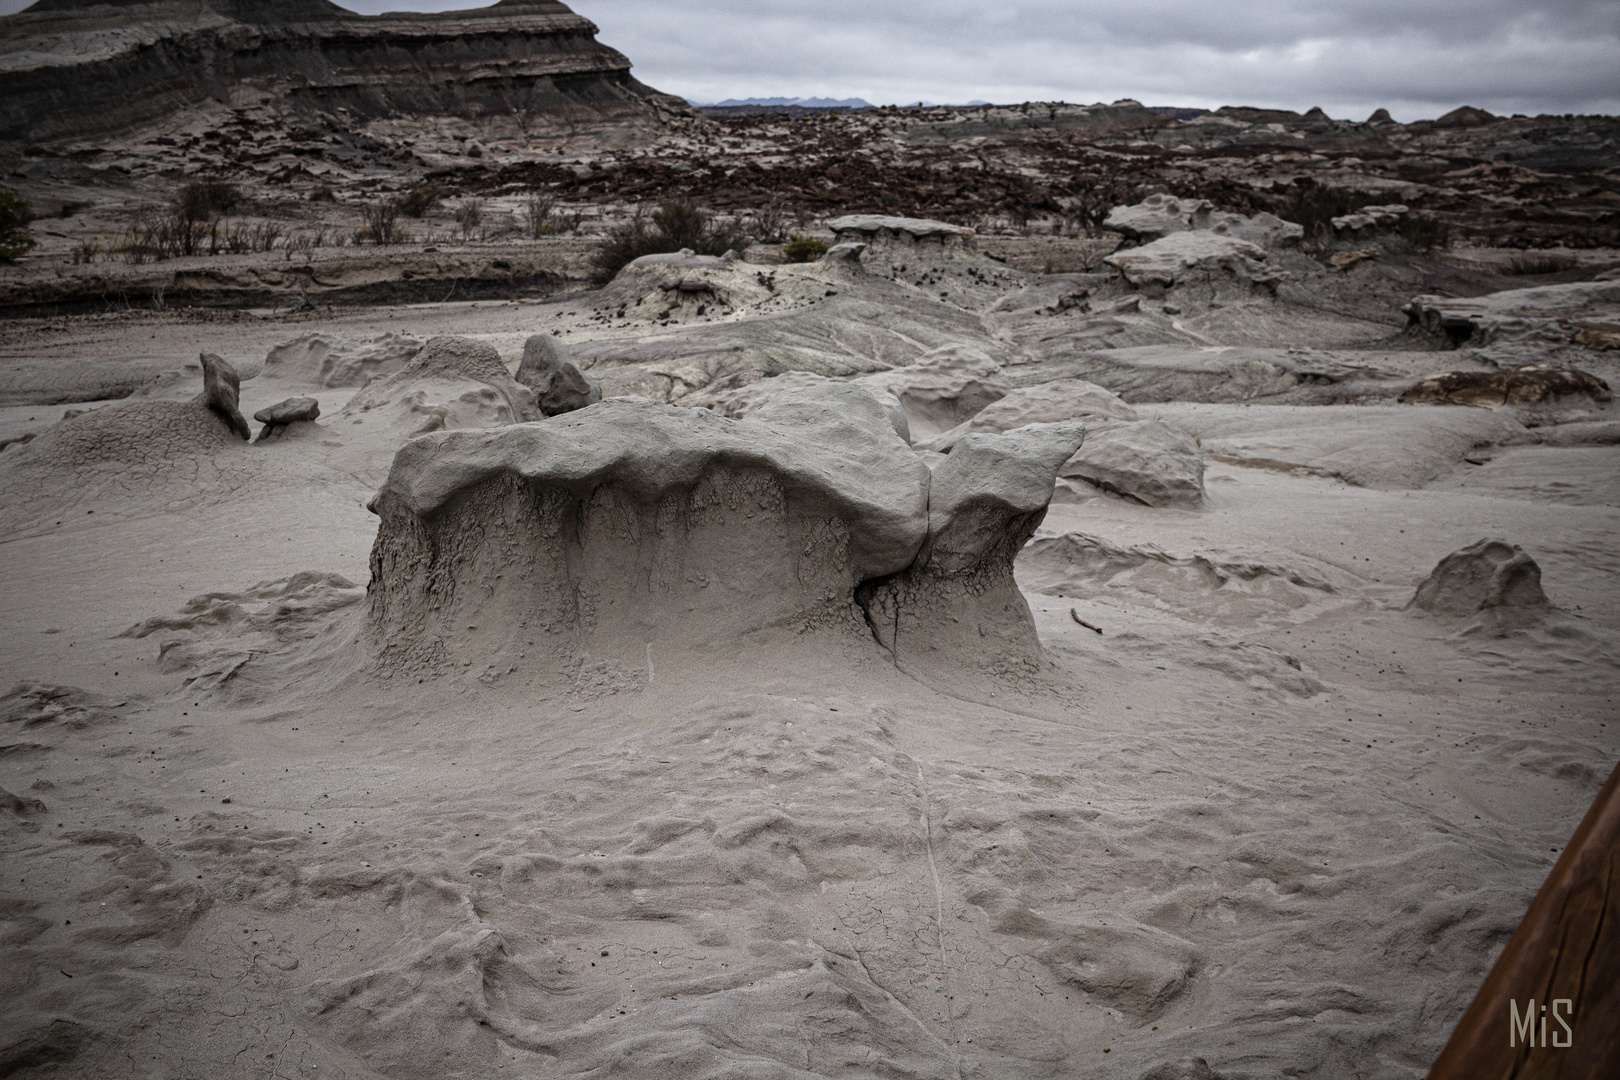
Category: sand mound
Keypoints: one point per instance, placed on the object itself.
(629, 529)
(121, 452)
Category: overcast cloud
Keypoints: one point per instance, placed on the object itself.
(1418, 58)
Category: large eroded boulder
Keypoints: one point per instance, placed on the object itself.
(453, 382)
(632, 529)
(330, 361)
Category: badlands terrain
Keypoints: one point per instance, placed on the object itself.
(1081, 625)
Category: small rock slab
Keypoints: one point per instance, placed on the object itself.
(278, 417)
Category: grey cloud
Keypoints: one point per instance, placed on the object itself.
(1349, 56)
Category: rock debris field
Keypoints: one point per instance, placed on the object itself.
(898, 665)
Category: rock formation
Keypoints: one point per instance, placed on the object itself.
(1526, 385)
(634, 529)
(1488, 574)
(76, 68)
(945, 387)
(331, 361)
(558, 385)
(1045, 403)
(278, 418)
(222, 392)
(453, 382)
(1146, 460)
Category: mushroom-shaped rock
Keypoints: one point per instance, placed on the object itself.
(282, 415)
(634, 528)
(559, 386)
(1148, 460)
(1484, 575)
(222, 392)
(1158, 216)
(957, 602)
(635, 525)
(1161, 264)
(856, 228)
(1044, 403)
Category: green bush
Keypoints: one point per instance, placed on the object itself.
(15, 214)
(803, 249)
(676, 226)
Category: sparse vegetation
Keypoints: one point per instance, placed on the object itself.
(204, 200)
(1425, 233)
(1540, 262)
(803, 249)
(1314, 207)
(677, 225)
(323, 193)
(1088, 208)
(469, 216)
(770, 223)
(418, 199)
(381, 224)
(15, 214)
(538, 210)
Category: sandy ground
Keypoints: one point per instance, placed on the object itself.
(1266, 824)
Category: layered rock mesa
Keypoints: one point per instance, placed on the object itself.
(80, 68)
(630, 530)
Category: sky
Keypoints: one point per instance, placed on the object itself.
(1417, 58)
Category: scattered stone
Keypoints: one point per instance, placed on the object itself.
(1148, 460)
(1526, 385)
(1344, 260)
(222, 392)
(278, 417)
(1486, 574)
(18, 805)
(559, 386)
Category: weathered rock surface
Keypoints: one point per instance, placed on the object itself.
(558, 385)
(754, 396)
(222, 392)
(1147, 460)
(1044, 403)
(452, 383)
(1161, 264)
(1526, 385)
(282, 415)
(1518, 326)
(1150, 373)
(878, 228)
(956, 605)
(944, 388)
(1484, 575)
(330, 361)
(70, 69)
(1159, 216)
(635, 526)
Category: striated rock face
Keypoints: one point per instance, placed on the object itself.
(629, 529)
(72, 68)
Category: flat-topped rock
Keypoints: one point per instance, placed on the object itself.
(854, 227)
